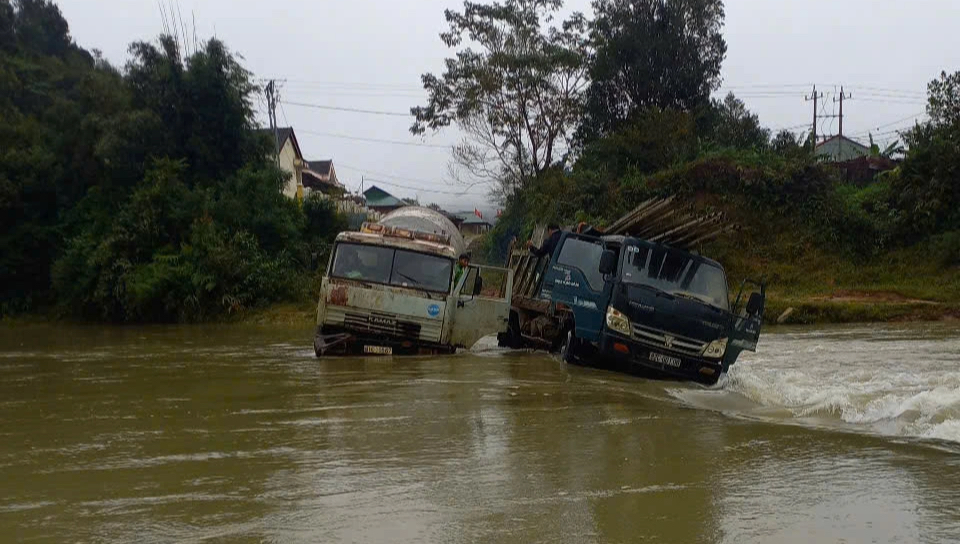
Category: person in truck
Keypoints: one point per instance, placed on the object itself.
(549, 245)
(462, 264)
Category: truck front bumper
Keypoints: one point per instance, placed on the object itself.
(332, 340)
(661, 362)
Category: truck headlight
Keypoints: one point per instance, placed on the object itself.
(715, 349)
(616, 321)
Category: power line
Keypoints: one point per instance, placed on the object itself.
(284, 112)
(794, 127)
(355, 93)
(892, 123)
(413, 180)
(351, 110)
(465, 192)
(395, 177)
(375, 140)
(887, 90)
(352, 84)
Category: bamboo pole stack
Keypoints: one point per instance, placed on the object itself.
(666, 221)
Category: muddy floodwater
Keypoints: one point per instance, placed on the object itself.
(239, 434)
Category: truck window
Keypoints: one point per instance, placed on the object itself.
(676, 272)
(389, 266)
(360, 262)
(422, 271)
(583, 255)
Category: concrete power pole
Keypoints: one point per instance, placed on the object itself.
(816, 98)
(840, 100)
(272, 97)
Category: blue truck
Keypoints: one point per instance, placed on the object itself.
(627, 300)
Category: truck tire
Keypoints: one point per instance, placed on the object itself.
(512, 338)
(570, 349)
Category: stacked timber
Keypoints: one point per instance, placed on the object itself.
(666, 221)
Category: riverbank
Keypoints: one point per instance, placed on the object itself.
(839, 308)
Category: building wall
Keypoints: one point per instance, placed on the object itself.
(288, 155)
(474, 229)
(842, 150)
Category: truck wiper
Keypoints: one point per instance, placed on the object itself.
(696, 298)
(656, 291)
(416, 283)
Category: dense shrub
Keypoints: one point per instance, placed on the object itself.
(146, 195)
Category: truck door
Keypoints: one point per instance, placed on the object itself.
(482, 304)
(573, 279)
(747, 321)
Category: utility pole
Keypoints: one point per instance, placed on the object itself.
(816, 98)
(840, 100)
(840, 140)
(272, 97)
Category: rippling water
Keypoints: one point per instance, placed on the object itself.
(238, 434)
(890, 381)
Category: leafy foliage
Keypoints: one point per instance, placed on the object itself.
(728, 123)
(517, 95)
(142, 196)
(651, 54)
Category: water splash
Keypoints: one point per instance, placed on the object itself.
(892, 382)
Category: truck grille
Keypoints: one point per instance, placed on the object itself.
(399, 327)
(665, 341)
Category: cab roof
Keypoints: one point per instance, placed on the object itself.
(623, 240)
(420, 246)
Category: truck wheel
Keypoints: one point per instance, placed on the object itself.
(512, 338)
(570, 348)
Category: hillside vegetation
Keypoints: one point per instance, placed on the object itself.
(583, 119)
(140, 195)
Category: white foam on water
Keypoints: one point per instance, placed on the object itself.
(891, 382)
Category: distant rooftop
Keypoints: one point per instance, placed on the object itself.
(378, 198)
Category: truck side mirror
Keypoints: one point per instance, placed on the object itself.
(608, 262)
(477, 285)
(755, 304)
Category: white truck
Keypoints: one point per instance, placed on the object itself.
(390, 289)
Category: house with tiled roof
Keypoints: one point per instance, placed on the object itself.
(321, 176)
(289, 158)
(381, 201)
(472, 224)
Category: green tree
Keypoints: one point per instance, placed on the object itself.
(656, 140)
(8, 38)
(944, 99)
(786, 143)
(662, 54)
(728, 123)
(515, 90)
(927, 187)
(41, 28)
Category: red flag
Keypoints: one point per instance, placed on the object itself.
(477, 213)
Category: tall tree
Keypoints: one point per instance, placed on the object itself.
(928, 186)
(515, 91)
(662, 54)
(728, 123)
(943, 104)
(41, 29)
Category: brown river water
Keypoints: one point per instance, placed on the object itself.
(239, 434)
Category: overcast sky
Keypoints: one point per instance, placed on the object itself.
(369, 54)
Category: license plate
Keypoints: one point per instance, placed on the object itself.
(665, 360)
(378, 350)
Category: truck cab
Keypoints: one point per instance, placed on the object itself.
(391, 290)
(649, 305)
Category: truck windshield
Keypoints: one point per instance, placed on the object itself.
(677, 273)
(389, 266)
